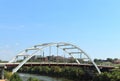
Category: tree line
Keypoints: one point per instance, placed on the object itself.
(108, 76)
(74, 73)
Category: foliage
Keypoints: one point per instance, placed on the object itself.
(102, 77)
(109, 60)
(75, 73)
(108, 76)
(15, 77)
(7, 75)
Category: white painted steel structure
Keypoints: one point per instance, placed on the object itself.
(68, 48)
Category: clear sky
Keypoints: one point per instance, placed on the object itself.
(93, 25)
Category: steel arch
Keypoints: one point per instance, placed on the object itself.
(61, 45)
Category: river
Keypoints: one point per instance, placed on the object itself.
(41, 78)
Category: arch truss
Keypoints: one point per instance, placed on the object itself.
(70, 50)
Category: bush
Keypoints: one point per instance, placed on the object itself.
(7, 74)
(15, 77)
(108, 76)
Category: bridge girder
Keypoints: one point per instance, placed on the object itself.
(66, 47)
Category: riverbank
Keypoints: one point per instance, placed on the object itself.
(72, 73)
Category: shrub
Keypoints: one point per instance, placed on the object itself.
(15, 77)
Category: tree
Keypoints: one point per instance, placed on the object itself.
(15, 77)
(102, 77)
(108, 76)
(109, 59)
(7, 74)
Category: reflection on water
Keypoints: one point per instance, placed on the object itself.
(42, 78)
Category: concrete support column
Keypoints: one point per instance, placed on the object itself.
(2, 71)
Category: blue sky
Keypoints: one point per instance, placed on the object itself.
(93, 25)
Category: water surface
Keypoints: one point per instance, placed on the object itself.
(40, 77)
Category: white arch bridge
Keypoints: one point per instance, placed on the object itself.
(54, 53)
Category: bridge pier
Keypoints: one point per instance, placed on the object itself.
(2, 67)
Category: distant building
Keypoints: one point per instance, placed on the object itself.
(117, 61)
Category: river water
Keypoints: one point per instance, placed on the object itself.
(41, 78)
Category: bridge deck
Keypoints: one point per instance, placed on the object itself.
(56, 64)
